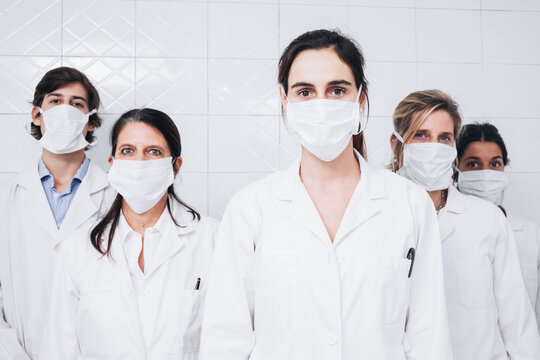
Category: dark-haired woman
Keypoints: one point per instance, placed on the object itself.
(134, 287)
(482, 157)
(332, 258)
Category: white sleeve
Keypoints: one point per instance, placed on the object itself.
(10, 348)
(426, 329)
(227, 330)
(60, 339)
(516, 319)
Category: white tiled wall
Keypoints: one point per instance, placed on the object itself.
(212, 64)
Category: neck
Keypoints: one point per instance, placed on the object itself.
(345, 165)
(140, 222)
(437, 197)
(63, 166)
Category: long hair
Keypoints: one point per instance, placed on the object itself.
(165, 125)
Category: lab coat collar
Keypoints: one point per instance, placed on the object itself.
(455, 204)
(516, 223)
(300, 207)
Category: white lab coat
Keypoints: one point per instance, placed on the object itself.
(280, 289)
(29, 242)
(490, 315)
(528, 245)
(94, 312)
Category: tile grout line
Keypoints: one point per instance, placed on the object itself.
(207, 107)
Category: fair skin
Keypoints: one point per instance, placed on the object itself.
(482, 155)
(63, 166)
(321, 74)
(437, 128)
(139, 141)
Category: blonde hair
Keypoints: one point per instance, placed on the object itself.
(411, 113)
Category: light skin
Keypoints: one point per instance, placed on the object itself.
(437, 128)
(139, 141)
(482, 155)
(63, 166)
(321, 74)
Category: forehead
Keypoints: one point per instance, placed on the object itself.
(139, 133)
(319, 67)
(483, 149)
(438, 121)
(72, 89)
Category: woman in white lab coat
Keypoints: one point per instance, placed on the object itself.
(134, 287)
(482, 159)
(58, 194)
(331, 258)
(489, 312)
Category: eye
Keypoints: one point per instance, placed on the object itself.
(338, 91)
(55, 101)
(154, 152)
(444, 138)
(473, 164)
(78, 104)
(304, 93)
(495, 164)
(126, 151)
(420, 135)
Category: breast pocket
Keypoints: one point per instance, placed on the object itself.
(386, 294)
(475, 283)
(187, 340)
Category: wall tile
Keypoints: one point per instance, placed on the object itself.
(289, 146)
(511, 91)
(19, 76)
(243, 31)
(192, 188)
(194, 135)
(100, 152)
(377, 135)
(390, 40)
(313, 17)
(383, 3)
(99, 28)
(18, 149)
(244, 143)
(439, 38)
(175, 86)
(389, 83)
(114, 79)
(171, 29)
(522, 196)
(507, 37)
(222, 186)
(315, 2)
(31, 27)
(454, 4)
(461, 81)
(533, 5)
(247, 87)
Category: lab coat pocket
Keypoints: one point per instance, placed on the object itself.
(475, 282)
(187, 341)
(386, 294)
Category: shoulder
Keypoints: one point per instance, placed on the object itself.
(77, 250)
(257, 192)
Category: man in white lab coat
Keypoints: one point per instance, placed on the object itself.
(59, 194)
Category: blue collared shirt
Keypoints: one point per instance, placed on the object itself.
(60, 202)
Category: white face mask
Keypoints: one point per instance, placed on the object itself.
(64, 125)
(428, 164)
(142, 183)
(486, 184)
(324, 126)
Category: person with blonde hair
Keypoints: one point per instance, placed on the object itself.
(490, 315)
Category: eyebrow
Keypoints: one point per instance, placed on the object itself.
(496, 157)
(146, 147)
(472, 158)
(330, 83)
(74, 97)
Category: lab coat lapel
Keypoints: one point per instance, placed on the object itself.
(36, 206)
(119, 267)
(297, 203)
(83, 207)
(363, 203)
(455, 204)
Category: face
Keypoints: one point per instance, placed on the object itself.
(437, 128)
(482, 155)
(320, 74)
(72, 94)
(139, 141)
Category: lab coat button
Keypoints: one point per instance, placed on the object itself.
(332, 340)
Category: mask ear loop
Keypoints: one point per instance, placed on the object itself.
(284, 113)
(364, 112)
(395, 133)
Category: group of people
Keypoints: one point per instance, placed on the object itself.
(332, 258)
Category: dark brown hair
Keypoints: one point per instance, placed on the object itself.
(166, 126)
(57, 78)
(347, 50)
(480, 132)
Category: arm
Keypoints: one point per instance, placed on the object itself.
(60, 339)
(227, 330)
(426, 329)
(516, 319)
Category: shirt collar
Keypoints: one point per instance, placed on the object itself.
(44, 172)
(161, 226)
